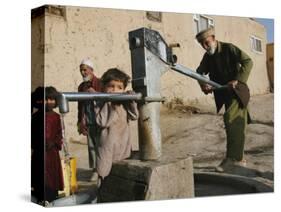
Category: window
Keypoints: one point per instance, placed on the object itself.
(255, 44)
(202, 22)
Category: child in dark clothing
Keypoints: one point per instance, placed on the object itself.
(53, 144)
(37, 144)
(51, 136)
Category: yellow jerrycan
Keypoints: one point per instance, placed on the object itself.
(69, 176)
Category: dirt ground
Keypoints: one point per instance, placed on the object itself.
(199, 132)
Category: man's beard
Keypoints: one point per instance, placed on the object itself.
(212, 49)
(87, 78)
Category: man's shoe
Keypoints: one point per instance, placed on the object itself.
(229, 164)
(225, 163)
(241, 163)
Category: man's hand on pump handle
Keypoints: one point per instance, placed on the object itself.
(206, 88)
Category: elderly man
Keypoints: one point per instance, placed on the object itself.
(228, 65)
(86, 123)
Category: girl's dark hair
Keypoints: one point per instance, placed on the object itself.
(37, 95)
(51, 93)
(115, 74)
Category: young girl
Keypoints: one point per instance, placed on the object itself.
(46, 142)
(37, 145)
(113, 119)
(53, 144)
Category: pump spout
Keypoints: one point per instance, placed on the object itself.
(65, 97)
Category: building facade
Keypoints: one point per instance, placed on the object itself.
(63, 35)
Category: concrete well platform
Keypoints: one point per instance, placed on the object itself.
(133, 179)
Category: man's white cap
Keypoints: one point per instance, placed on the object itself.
(87, 62)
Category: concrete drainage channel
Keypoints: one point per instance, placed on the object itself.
(205, 184)
(215, 184)
(86, 197)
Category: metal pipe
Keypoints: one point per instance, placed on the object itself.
(149, 131)
(64, 141)
(65, 97)
(79, 96)
(188, 72)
